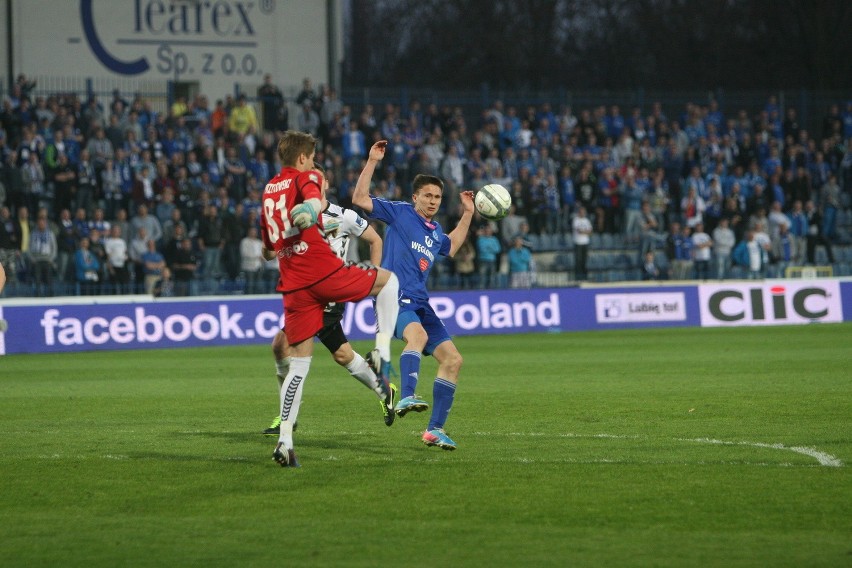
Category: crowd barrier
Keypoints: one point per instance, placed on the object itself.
(140, 322)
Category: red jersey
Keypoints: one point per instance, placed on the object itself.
(304, 257)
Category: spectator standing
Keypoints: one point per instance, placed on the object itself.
(487, 249)
(242, 117)
(43, 254)
(782, 250)
(67, 245)
(581, 233)
(799, 232)
(633, 203)
(520, 265)
(137, 248)
(251, 260)
(829, 201)
(511, 225)
(185, 266)
(64, 183)
(682, 265)
(118, 274)
(816, 236)
(650, 228)
(273, 106)
(152, 226)
(96, 246)
(33, 178)
(87, 269)
(211, 241)
(465, 264)
(723, 243)
(307, 120)
(749, 254)
(153, 264)
(86, 183)
(111, 188)
(701, 246)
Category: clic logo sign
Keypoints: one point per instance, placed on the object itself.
(770, 303)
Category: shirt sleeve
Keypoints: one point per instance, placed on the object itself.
(309, 185)
(384, 210)
(356, 224)
(446, 244)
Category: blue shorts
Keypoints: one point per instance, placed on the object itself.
(425, 315)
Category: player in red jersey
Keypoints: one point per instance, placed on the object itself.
(312, 275)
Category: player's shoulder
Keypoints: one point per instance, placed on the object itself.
(393, 203)
(309, 176)
(350, 221)
(334, 210)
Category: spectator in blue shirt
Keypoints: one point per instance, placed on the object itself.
(520, 264)
(487, 250)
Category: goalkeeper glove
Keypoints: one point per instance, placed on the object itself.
(330, 225)
(304, 215)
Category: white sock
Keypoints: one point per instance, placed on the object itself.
(359, 369)
(387, 310)
(281, 368)
(291, 397)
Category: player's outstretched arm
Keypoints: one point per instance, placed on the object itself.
(458, 235)
(361, 195)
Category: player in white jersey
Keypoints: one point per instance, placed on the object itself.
(340, 225)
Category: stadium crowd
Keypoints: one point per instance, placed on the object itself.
(109, 196)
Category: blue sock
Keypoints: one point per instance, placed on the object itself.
(443, 393)
(409, 368)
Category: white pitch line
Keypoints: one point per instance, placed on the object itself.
(823, 458)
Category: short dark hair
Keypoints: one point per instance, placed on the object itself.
(423, 179)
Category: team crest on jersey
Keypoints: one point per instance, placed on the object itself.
(424, 265)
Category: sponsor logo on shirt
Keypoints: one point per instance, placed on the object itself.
(299, 247)
(422, 250)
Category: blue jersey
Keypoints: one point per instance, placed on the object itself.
(411, 244)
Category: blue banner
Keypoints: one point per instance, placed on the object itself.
(75, 324)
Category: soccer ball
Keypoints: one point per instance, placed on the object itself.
(493, 201)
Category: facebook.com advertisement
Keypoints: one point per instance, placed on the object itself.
(54, 326)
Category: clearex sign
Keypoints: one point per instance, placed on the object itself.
(770, 303)
(200, 37)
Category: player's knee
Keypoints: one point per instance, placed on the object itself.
(385, 279)
(455, 361)
(279, 346)
(416, 339)
(343, 356)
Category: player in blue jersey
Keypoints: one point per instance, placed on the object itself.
(412, 242)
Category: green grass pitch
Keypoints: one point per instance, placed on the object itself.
(655, 447)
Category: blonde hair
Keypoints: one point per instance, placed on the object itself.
(293, 144)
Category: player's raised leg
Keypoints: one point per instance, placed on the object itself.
(415, 338)
(386, 291)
